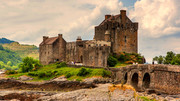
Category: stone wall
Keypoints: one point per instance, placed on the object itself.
(96, 53)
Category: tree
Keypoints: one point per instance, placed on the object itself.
(9, 63)
(29, 64)
(176, 60)
(112, 61)
(169, 57)
(1, 47)
(159, 59)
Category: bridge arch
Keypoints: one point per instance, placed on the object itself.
(146, 80)
(125, 78)
(134, 80)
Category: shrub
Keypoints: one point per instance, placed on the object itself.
(8, 72)
(41, 74)
(121, 57)
(68, 75)
(112, 61)
(62, 64)
(106, 73)
(83, 72)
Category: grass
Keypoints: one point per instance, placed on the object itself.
(144, 98)
(120, 64)
(50, 71)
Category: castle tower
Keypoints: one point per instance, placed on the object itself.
(120, 31)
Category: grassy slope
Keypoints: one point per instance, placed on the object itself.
(121, 64)
(61, 71)
(23, 50)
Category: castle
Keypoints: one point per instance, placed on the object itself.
(114, 35)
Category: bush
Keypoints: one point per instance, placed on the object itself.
(83, 72)
(68, 75)
(8, 72)
(62, 64)
(106, 73)
(112, 61)
(121, 57)
(44, 74)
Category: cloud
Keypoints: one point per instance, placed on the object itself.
(28, 20)
(157, 17)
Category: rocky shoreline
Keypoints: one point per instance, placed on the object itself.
(60, 89)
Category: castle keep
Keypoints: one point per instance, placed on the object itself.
(114, 35)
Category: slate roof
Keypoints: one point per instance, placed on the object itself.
(110, 19)
(49, 41)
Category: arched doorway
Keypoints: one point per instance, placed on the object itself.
(134, 80)
(125, 78)
(81, 59)
(146, 80)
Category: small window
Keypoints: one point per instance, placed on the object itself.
(125, 39)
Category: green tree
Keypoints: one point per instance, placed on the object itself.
(1, 47)
(112, 61)
(169, 57)
(9, 63)
(159, 59)
(176, 60)
(29, 64)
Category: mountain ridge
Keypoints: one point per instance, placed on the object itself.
(5, 41)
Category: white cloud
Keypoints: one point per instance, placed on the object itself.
(157, 17)
(28, 20)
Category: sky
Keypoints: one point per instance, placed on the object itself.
(26, 21)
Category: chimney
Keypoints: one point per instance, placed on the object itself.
(107, 16)
(123, 16)
(45, 37)
(79, 38)
(59, 35)
(135, 25)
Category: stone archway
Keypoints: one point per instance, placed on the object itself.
(125, 78)
(134, 80)
(146, 80)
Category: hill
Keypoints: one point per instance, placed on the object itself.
(4, 40)
(23, 50)
(8, 57)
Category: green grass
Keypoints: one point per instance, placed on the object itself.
(121, 64)
(50, 71)
(144, 98)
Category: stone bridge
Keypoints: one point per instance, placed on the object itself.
(157, 78)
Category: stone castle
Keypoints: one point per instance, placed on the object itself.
(114, 35)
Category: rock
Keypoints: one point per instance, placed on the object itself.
(14, 100)
(25, 78)
(61, 78)
(101, 93)
(97, 80)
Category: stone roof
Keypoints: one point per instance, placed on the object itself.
(110, 18)
(49, 41)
